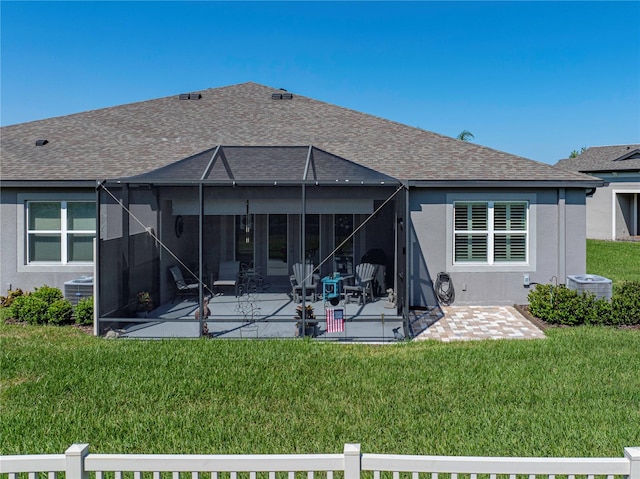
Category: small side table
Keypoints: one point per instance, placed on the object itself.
(332, 288)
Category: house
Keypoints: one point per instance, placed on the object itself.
(237, 173)
(613, 212)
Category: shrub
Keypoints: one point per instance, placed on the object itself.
(31, 309)
(556, 304)
(48, 294)
(16, 306)
(83, 312)
(5, 301)
(560, 305)
(596, 311)
(541, 301)
(59, 312)
(625, 303)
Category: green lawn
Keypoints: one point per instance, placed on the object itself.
(575, 393)
(616, 260)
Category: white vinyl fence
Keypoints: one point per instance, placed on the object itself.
(77, 463)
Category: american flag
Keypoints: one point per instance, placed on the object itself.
(335, 320)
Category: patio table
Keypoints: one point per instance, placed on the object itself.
(332, 287)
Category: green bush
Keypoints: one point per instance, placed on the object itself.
(557, 304)
(59, 312)
(45, 305)
(541, 301)
(560, 305)
(31, 309)
(625, 303)
(48, 294)
(83, 312)
(16, 306)
(596, 311)
(5, 301)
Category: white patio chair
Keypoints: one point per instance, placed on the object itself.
(304, 272)
(363, 285)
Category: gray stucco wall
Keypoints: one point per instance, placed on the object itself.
(14, 270)
(556, 245)
(603, 205)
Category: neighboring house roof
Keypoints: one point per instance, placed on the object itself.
(136, 138)
(604, 158)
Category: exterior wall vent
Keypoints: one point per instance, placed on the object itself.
(190, 96)
(41, 142)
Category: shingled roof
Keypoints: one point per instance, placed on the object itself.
(605, 158)
(140, 137)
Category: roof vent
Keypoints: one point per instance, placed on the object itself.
(190, 96)
(41, 142)
(281, 96)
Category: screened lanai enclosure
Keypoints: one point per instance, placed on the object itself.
(253, 242)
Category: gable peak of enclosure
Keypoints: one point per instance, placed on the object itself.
(264, 165)
(136, 138)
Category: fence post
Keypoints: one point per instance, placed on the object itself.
(352, 461)
(75, 456)
(633, 454)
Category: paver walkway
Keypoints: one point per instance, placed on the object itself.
(466, 323)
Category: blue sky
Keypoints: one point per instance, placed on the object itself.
(536, 79)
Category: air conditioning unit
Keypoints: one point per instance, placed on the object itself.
(590, 283)
(79, 288)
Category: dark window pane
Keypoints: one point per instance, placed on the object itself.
(80, 248)
(44, 247)
(44, 216)
(81, 216)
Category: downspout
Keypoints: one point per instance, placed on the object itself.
(562, 236)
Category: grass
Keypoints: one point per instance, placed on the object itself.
(575, 393)
(617, 260)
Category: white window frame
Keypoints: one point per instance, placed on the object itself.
(492, 198)
(491, 232)
(22, 266)
(64, 232)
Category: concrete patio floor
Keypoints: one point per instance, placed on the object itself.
(459, 323)
(263, 316)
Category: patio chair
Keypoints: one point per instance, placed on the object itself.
(304, 272)
(227, 275)
(183, 288)
(363, 286)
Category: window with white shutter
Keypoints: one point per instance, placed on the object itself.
(490, 232)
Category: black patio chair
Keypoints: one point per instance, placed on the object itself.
(183, 288)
